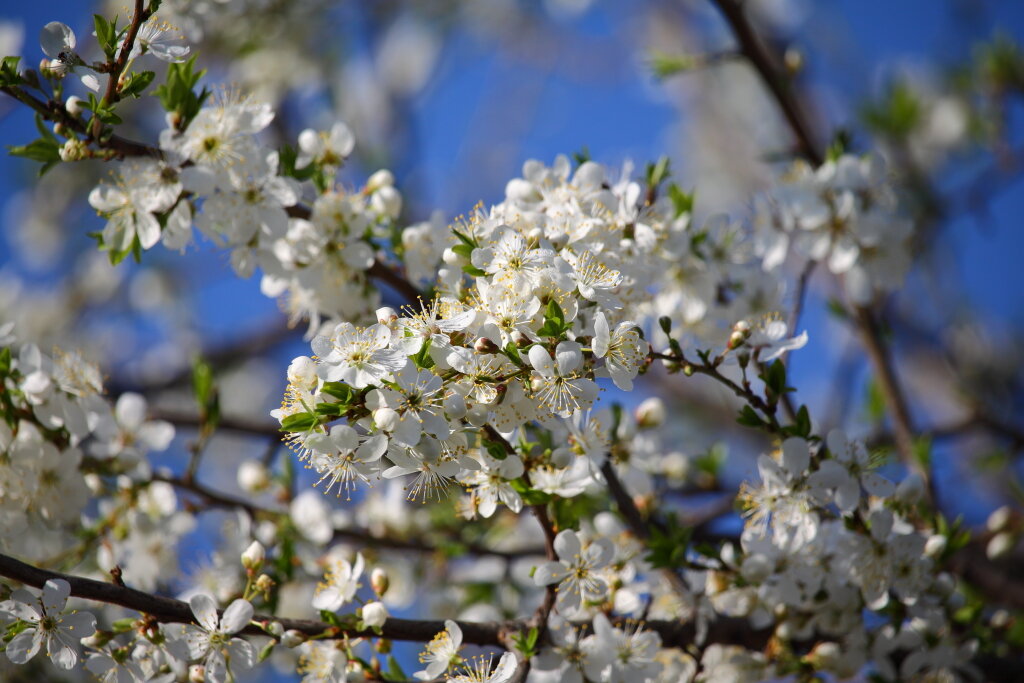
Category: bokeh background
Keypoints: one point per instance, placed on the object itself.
(454, 96)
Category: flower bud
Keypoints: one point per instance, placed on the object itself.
(275, 628)
(196, 673)
(558, 241)
(1000, 619)
(253, 476)
(999, 519)
(253, 556)
(485, 345)
(293, 638)
(651, 412)
(386, 315)
(374, 614)
(999, 546)
(387, 202)
(520, 339)
(386, 419)
(72, 150)
(302, 372)
(380, 179)
(825, 656)
(379, 581)
(535, 235)
(451, 258)
(935, 545)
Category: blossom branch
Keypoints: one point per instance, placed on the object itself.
(753, 48)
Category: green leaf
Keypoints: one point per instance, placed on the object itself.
(774, 378)
(422, 358)
(5, 360)
(43, 150)
(106, 35)
(668, 545)
(802, 426)
(136, 83)
(681, 201)
(339, 390)
(299, 422)
(463, 250)
(394, 671)
(474, 271)
(658, 172)
(9, 75)
(581, 157)
(749, 418)
(529, 495)
(664, 65)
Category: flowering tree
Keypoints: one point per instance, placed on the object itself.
(450, 405)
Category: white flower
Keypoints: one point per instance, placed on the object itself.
(126, 432)
(342, 457)
(492, 484)
(127, 217)
(322, 662)
(849, 468)
(617, 656)
(560, 386)
(595, 280)
(359, 357)
(623, 350)
(374, 614)
(441, 652)
(341, 581)
(60, 632)
(211, 641)
(58, 41)
(326, 148)
(157, 38)
(575, 571)
(478, 670)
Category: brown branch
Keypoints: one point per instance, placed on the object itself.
(140, 15)
(878, 353)
(778, 84)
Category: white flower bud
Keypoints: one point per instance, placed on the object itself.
(72, 150)
(196, 673)
(387, 202)
(999, 519)
(293, 638)
(386, 419)
(275, 629)
(651, 412)
(825, 656)
(302, 372)
(379, 581)
(74, 105)
(374, 614)
(935, 545)
(253, 476)
(451, 258)
(380, 179)
(386, 315)
(999, 619)
(535, 235)
(520, 190)
(253, 556)
(999, 545)
(455, 406)
(558, 241)
(911, 489)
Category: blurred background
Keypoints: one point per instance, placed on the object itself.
(454, 95)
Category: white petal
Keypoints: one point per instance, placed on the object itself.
(236, 616)
(205, 611)
(567, 544)
(55, 595)
(56, 38)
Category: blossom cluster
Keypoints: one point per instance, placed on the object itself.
(490, 382)
(58, 432)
